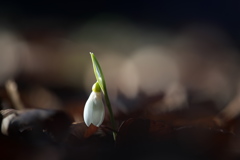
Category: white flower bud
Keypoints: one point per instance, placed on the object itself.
(94, 111)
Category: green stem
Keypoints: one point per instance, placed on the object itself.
(111, 114)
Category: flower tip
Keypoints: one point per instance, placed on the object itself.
(87, 123)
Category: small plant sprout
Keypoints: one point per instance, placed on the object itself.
(94, 108)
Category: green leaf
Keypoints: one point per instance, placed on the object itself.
(98, 73)
(101, 82)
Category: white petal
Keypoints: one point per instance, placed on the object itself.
(87, 116)
(94, 110)
(98, 112)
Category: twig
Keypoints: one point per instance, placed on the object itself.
(12, 91)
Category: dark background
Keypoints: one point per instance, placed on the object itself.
(53, 70)
(167, 13)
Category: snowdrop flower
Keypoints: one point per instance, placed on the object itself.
(94, 111)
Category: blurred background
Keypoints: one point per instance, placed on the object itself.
(174, 63)
(158, 55)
